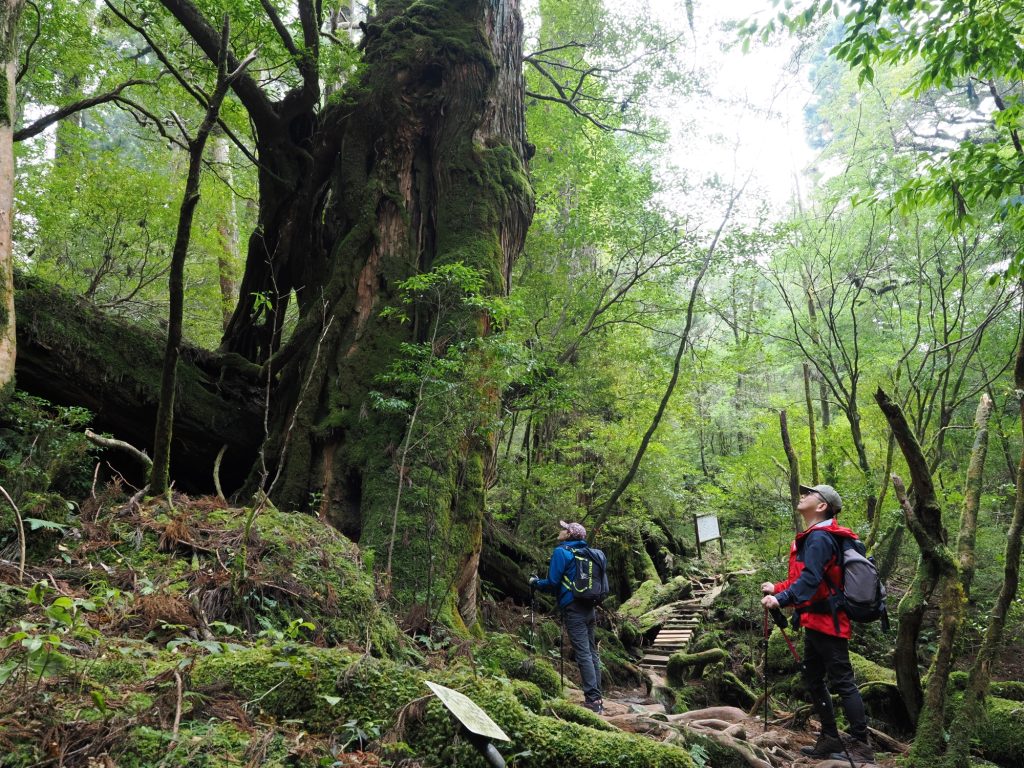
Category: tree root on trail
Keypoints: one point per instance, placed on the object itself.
(742, 734)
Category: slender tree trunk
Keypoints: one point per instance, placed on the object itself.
(794, 471)
(972, 495)
(862, 457)
(160, 474)
(937, 573)
(10, 13)
(608, 507)
(972, 709)
(227, 231)
(876, 524)
(811, 425)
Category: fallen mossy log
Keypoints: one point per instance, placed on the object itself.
(680, 663)
(72, 354)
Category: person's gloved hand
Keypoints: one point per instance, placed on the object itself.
(533, 581)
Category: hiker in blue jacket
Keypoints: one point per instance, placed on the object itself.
(578, 618)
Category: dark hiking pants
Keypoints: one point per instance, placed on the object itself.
(828, 655)
(579, 625)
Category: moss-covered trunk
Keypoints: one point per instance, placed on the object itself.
(417, 163)
(972, 711)
(10, 13)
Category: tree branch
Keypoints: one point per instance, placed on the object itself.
(40, 125)
(28, 48)
(260, 108)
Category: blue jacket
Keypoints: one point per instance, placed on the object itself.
(563, 563)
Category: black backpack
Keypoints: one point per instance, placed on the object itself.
(590, 583)
(861, 593)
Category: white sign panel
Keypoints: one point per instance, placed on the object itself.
(707, 528)
(470, 715)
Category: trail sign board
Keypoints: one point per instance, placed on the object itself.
(706, 529)
(468, 713)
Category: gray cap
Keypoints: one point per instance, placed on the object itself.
(828, 493)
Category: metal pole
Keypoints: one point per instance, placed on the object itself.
(696, 536)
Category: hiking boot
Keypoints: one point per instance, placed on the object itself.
(857, 751)
(596, 706)
(824, 746)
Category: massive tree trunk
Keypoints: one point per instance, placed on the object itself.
(417, 163)
(10, 13)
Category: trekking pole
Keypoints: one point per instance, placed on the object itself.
(766, 632)
(561, 653)
(532, 621)
(780, 621)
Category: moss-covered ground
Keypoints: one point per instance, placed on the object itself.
(186, 632)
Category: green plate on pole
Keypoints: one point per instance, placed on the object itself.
(468, 713)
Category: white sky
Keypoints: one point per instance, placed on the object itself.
(762, 97)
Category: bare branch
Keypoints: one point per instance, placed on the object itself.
(40, 125)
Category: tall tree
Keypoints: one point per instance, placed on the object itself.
(10, 15)
(416, 163)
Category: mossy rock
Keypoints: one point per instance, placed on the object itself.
(618, 667)
(505, 654)
(1012, 690)
(653, 594)
(529, 695)
(866, 671)
(574, 713)
(301, 682)
(1000, 736)
(294, 682)
(298, 568)
(780, 659)
(213, 744)
(642, 600)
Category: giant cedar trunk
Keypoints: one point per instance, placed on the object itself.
(416, 163)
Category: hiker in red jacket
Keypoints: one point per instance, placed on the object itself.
(814, 576)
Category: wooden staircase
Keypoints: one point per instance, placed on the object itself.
(678, 629)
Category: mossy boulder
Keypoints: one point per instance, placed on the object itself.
(296, 567)
(506, 654)
(1012, 690)
(780, 658)
(867, 671)
(1000, 736)
(642, 600)
(213, 744)
(323, 687)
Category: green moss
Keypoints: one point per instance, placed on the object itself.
(574, 713)
(215, 744)
(291, 683)
(866, 671)
(314, 572)
(1000, 736)
(1012, 690)
(642, 600)
(682, 665)
(779, 657)
(506, 654)
(528, 694)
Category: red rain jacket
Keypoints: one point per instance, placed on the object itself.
(820, 621)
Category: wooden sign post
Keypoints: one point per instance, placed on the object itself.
(706, 529)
